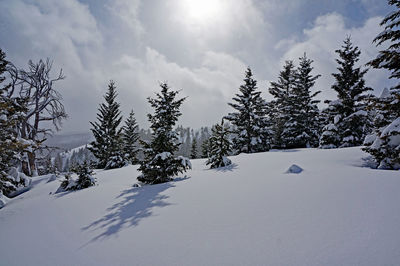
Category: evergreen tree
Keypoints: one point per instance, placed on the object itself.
(329, 137)
(386, 147)
(159, 164)
(251, 134)
(193, 151)
(130, 135)
(11, 146)
(85, 178)
(107, 146)
(205, 149)
(301, 130)
(281, 106)
(348, 112)
(220, 146)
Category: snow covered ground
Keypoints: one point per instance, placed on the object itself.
(334, 212)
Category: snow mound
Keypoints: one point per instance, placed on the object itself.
(52, 178)
(294, 169)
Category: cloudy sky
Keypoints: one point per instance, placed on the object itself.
(200, 46)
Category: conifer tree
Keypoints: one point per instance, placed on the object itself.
(281, 106)
(85, 178)
(160, 164)
(301, 130)
(249, 121)
(348, 112)
(107, 146)
(386, 147)
(130, 135)
(220, 146)
(193, 151)
(205, 149)
(11, 146)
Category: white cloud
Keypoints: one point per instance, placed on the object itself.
(209, 86)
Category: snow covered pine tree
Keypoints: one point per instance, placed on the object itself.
(219, 146)
(130, 136)
(281, 106)
(108, 145)
(250, 131)
(193, 150)
(12, 110)
(85, 178)
(159, 164)
(348, 114)
(301, 130)
(386, 147)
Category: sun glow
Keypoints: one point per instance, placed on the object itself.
(202, 10)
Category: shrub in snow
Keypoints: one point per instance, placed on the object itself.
(386, 147)
(220, 146)
(84, 178)
(14, 182)
(250, 125)
(159, 164)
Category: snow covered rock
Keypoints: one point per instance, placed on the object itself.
(294, 169)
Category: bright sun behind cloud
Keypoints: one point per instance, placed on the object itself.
(201, 11)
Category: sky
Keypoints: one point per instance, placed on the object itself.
(201, 47)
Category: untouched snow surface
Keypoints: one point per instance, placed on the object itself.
(249, 213)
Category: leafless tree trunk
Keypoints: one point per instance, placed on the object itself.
(43, 105)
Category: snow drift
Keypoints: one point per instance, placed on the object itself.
(251, 213)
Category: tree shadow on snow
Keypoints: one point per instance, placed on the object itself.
(135, 204)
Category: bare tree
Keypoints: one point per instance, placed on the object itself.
(43, 103)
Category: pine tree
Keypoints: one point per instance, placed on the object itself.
(193, 151)
(160, 164)
(349, 110)
(250, 132)
(301, 130)
(11, 146)
(85, 178)
(107, 146)
(281, 106)
(386, 147)
(220, 146)
(130, 135)
(205, 149)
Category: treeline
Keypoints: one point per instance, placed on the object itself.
(291, 119)
(192, 146)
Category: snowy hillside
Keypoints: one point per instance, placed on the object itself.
(335, 212)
